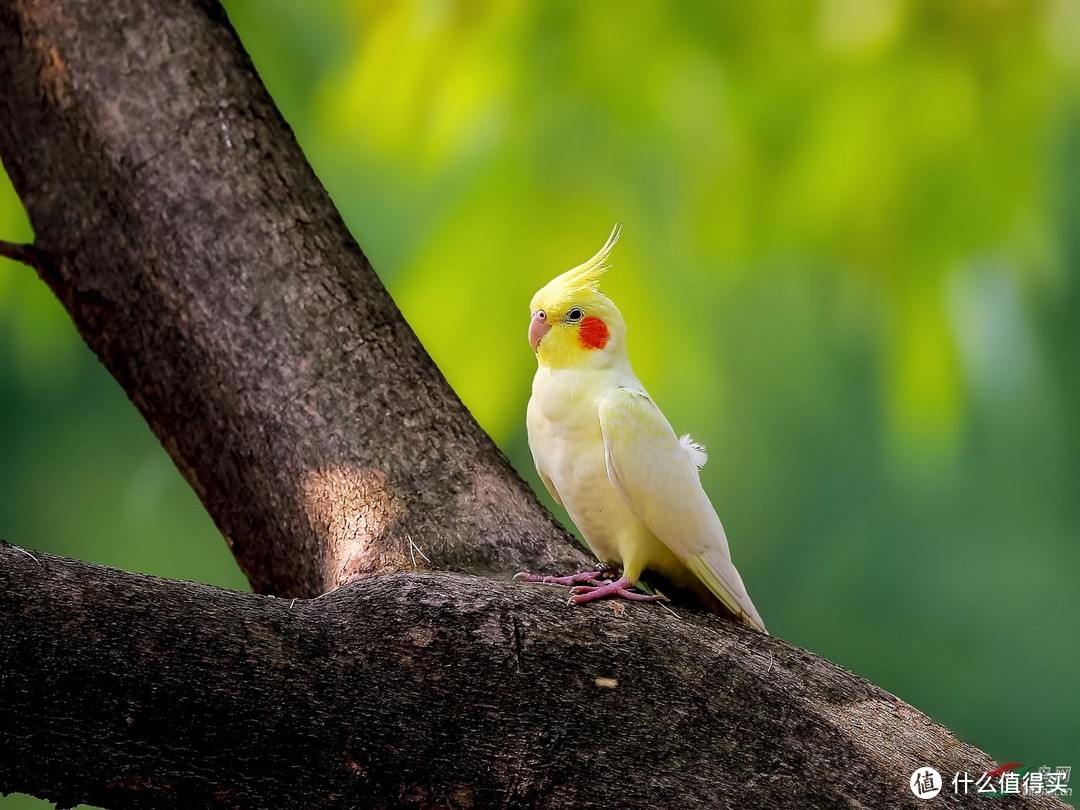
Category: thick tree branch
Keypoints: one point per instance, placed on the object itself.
(203, 262)
(430, 691)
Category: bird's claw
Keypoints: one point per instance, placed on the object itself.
(589, 586)
(588, 577)
(618, 589)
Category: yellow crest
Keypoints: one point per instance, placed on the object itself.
(581, 279)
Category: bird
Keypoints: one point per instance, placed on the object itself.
(607, 454)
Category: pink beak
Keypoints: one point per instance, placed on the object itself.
(538, 327)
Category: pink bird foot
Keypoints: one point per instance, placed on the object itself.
(589, 577)
(619, 589)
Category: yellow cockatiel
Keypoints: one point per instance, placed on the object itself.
(607, 454)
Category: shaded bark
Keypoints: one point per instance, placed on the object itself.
(200, 258)
(430, 690)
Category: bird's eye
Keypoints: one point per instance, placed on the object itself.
(541, 315)
(575, 315)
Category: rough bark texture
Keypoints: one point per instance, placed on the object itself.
(430, 690)
(202, 261)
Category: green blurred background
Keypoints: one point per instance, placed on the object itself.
(849, 265)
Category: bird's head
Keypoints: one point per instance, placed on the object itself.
(573, 324)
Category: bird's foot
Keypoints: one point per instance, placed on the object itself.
(592, 578)
(617, 589)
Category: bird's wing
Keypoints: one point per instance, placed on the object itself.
(655, 474)
(550, 486)
(537, 436)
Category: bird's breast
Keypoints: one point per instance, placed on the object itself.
(568, 448)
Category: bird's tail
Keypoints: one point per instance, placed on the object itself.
(728, 589)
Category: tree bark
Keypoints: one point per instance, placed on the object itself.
(430, 690)
(200, 258)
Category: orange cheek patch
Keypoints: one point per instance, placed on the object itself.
(593, 333)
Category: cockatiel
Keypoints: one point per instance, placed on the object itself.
(607, 454)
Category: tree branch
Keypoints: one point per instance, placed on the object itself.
(203, 262)
(429, 690)
(25, 254)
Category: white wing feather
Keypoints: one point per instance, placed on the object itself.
(550, 485)
(656, 473)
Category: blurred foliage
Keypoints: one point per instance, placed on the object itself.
(849, 265)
